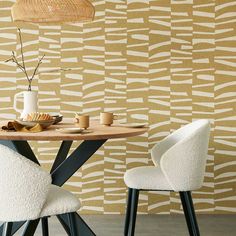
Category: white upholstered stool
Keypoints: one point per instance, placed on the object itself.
(26, 193)
(180, 161)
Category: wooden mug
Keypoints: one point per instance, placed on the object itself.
(82, 121)
(107, 118)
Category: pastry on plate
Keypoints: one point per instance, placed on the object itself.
(38, 116)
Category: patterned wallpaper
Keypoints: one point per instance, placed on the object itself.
(165, 62)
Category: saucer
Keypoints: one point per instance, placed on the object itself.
(70, 130)
(133, 125)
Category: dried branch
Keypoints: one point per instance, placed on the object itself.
(22, 65)
(14, 60)
(36, 68)
(21, 47)
(22, 53)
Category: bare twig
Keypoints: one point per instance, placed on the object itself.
(14, 60)
(36, 68)
(21, 48)
(22, 54)
(22, 65)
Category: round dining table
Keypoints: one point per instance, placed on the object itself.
(65, 165)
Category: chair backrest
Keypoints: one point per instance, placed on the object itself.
(23, 187)
(183, 155)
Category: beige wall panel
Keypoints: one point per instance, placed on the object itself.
(225, 58)
(159, 89)
(181, 72)
(138, 84)
(203, 89)
(115, 101)
(93, 90)
(162, 62)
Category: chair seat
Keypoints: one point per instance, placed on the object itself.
(59, 201)
(146, 178)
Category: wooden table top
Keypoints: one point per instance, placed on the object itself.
(95, 132)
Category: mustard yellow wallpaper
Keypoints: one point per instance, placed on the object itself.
(157, 61)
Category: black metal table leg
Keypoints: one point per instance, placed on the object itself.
(83, 228)
(7, 228)
(69, 167)
(73, 224)
(62, 154)
(64, 223)
(75, 161)
(15, 227)
(30, 227)
(45, 231)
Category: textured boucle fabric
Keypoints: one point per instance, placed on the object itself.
(24, 187)
(59, 201)
(26, 192)
(148, 177)
(184, 163)
(180, 161)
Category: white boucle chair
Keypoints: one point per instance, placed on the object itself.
(26, 193)
(179, 165)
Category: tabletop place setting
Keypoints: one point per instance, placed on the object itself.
(81, 124)
(35, 122)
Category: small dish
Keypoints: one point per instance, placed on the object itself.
(58, 117)
(132, 125)
(30, 124)
(70, 130)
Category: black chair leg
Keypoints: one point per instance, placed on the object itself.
(44, 222)
(72, 223)
(133, 211)
(189, 213)
(127, 217)
(7, 228)
(30, 227)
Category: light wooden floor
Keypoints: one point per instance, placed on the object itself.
(152, 225)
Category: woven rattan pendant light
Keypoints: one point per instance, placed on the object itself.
(46, 11)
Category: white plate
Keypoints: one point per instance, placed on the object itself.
(133, 125)
(43, 123)
(70, 130)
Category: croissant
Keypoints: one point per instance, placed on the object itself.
(37, 116)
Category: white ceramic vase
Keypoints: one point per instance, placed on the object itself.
(30, 100)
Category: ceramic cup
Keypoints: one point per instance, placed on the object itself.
(82, 121)
(107, 118)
